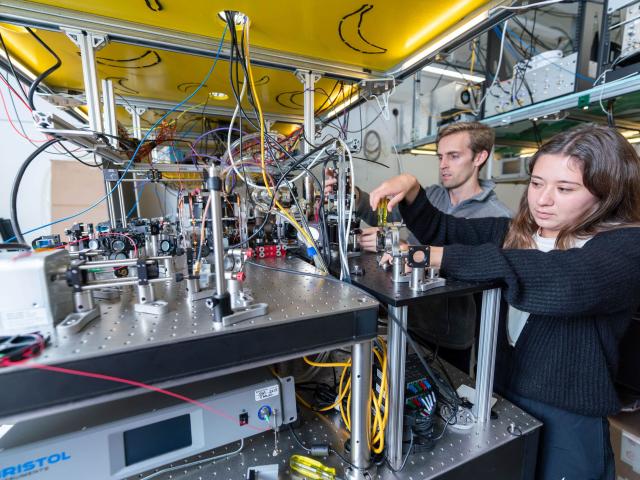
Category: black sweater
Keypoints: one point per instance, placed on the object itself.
(581, 301)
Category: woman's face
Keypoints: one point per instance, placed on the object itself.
(557, 197)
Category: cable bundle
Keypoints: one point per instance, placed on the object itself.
(379, 396)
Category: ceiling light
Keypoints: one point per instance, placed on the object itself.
(239, 18)
(634, 140)
(448, 38)
(343, 105)
(527, 152)
(453, 74)
(630, 133)
(219, 96)
(421, 151)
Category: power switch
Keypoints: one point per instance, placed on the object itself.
(244, 418)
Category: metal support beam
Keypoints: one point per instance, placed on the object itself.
(109, 112)
(397, 351)
(88, 43)
(487, 354)
(416, 105)
(135, 113)
(587, 26)
(308, 79)
(207, 110)
(111, 129)
(360, 408)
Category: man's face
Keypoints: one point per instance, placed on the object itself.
(457, 162)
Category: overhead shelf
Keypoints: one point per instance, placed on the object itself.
(575, 101)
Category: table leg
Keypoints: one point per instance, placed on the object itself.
(397, 351)
(486, 354)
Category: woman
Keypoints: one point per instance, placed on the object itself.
(570, 265)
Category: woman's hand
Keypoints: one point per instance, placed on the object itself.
(435, 256)
(403, 187)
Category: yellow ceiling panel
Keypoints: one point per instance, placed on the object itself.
(377, 34)
(164, 75)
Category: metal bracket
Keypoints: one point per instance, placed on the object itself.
(201, 295)
(246, 313)
(428, 284)
(157, 307)
(74, 322)
(133, 110)
(97, 40)
(302, 75)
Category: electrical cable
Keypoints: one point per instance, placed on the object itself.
(15, 74)
(194, 463)
(447, 391)
(128, 166)
(16, 186)
(14, 246)
(134, 383)
(497, 72)
(46, 73)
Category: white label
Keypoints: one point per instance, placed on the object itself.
(23, 321)
(630, 450)
(267, 392)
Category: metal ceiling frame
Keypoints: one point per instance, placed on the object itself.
(150, 103)
(26, 13)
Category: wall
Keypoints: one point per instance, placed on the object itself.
(34, 198)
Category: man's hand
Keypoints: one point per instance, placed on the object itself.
(386, 257)
(368, 239)
(329, 181)
(403, 187)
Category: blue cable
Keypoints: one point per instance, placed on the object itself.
(138, 147)
(144, 184)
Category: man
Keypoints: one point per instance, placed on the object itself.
(463, 149)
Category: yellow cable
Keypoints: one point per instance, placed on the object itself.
(473, 57)
(380, 423)
(341, 394)
(262, 128)
(334, 364)
(303, 401)
(380, 400)
(349, 411)
(186, 111)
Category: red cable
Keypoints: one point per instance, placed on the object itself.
(134, 383)
(4, 104)
(17, 94)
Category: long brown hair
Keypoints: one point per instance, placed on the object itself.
(610, 171)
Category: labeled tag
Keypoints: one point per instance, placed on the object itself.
(267, 392)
